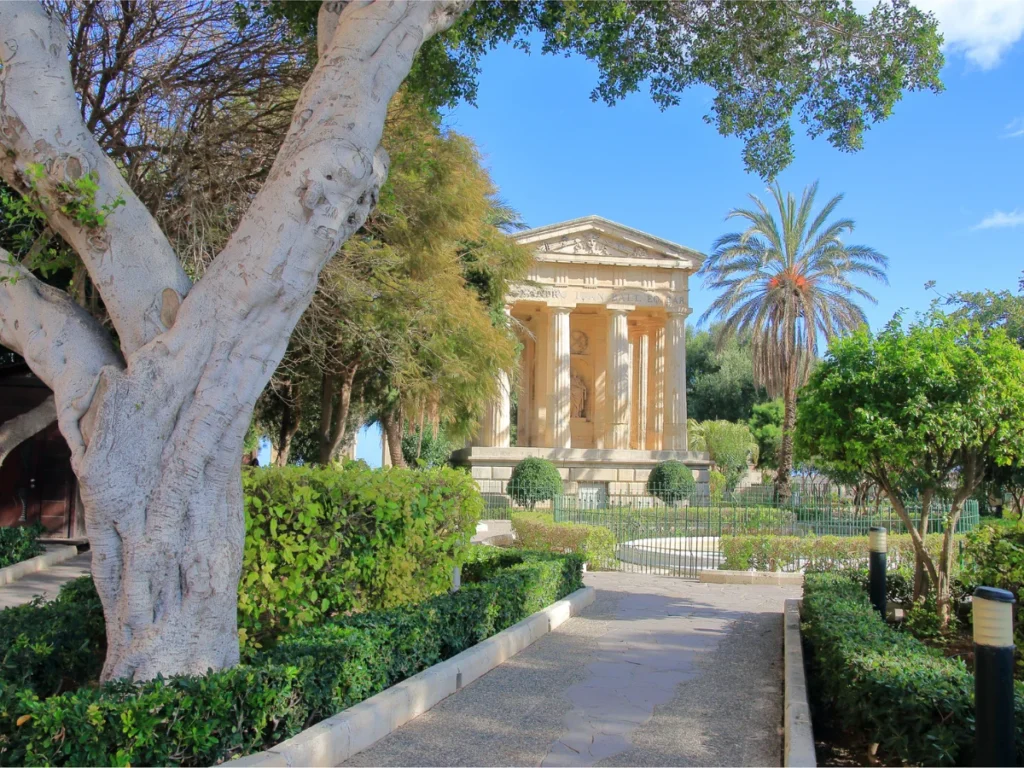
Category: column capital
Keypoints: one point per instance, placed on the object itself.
(620, 308)
(559, 307)
(675, 310)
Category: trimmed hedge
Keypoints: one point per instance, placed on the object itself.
(56, 646)
(534, 479)
(321, 542)
(671, 481)
(20, 542)
(538, 530)
(310, 674)
(816, 553)
(887, 685)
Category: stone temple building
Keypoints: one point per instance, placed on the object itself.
(601, 386)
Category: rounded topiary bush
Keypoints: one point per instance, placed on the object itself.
(671, 481)
(534, 480)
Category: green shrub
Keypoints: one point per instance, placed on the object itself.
(884, 684)
(534, 479)
(594, 543)
(817, 553)
(321, 542)
(671, 481)
(52, 647)
(310, 674)
(994, 557)
(19, 542)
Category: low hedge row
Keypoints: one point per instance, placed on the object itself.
(818, 553)
(310, 674)
(538, 530)
(321, 542)
(885, 684)
(18, 543)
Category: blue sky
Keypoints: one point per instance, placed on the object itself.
(938, 188)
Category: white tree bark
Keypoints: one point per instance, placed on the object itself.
(156, 439)
(14, 432)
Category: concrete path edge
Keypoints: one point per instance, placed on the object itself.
(761, 578)
(54, 556)
(798, 736)
(336, 739)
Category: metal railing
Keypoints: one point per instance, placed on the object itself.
(661, 532)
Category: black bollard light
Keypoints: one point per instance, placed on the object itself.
(878, 547)
(994, 733)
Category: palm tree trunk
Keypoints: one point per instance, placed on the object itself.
(783, 490)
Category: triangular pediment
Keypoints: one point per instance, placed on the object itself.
(593, 239)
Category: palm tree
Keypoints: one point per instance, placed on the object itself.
(788, 281)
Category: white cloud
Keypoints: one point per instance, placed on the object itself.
(999, 219)
(981, 30)
(1014, 129)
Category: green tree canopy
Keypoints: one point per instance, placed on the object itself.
(821, 61)
(720, 376)
(919, 408)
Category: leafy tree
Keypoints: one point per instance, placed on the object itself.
(731, 446)
(671, 481)
(720, 377)
(766, 427)
(922, 408)
(534, 479)
(786, 281)
(156, 424)
(427, 448)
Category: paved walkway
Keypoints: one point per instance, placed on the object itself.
(658, 671)
(46, 583)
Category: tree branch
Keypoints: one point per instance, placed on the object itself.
(128, 258)
(14, 432)
(61, 342)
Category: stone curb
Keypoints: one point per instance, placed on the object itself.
(54, 556)
(762, 578)
(336, 739)
(798, 737)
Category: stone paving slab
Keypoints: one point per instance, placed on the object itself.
(46, 583)
(658, 671)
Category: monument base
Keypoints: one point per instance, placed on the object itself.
(622, 472)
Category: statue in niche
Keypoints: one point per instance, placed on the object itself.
(578, 343)
(578, 396)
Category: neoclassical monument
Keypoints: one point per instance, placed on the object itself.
(601, 387)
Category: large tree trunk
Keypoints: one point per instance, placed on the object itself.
(291, 420)
(156, 430)
(333, 416)
(921, 583)
(391, 424)
(14, 432)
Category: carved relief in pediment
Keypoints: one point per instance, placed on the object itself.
(593, 244)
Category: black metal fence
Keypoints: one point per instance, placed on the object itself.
(661, 532)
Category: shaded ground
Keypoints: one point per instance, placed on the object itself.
(658, 671)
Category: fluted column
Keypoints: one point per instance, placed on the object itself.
(560, 396)
(618, 378)
(523, 421)
(495, 430)
(656, 384)
(675, 380)
(642, 364)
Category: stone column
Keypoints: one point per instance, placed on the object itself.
(642, 365)
(539, 429)
(656, 385)
(675, 380)
(523, 425)
(617, 386)
(560, 397)
(495, 430)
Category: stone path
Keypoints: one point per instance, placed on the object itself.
(658, 671)
(46, 583)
